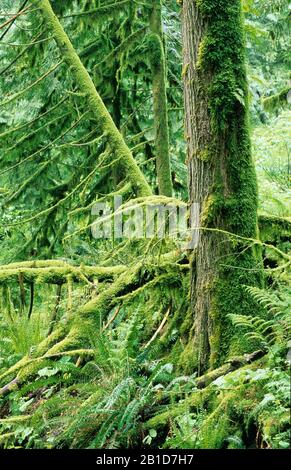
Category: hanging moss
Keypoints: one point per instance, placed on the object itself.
(95, 104)
(124, 46)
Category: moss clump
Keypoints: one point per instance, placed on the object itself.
(204, 155)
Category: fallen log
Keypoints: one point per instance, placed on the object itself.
(230, 366)
(203, 388)
(73, 334)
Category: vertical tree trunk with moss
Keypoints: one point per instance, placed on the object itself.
(126, 162)
(221, 176)
(158, 65)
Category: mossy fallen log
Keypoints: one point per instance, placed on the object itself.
(204, 389)
(75, 332)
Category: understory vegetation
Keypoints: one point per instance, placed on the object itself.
(98, 337)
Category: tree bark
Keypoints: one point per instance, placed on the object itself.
(222, 177)
(158, 65)
(128, 166)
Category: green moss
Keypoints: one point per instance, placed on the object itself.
(233, 195)
(57, 335)
(277, 100)
(189, 359)
(217, 427)
(224, 412)
(205, 155)
(158, 65)
(95, 104)
(272, 228)
(156, 50)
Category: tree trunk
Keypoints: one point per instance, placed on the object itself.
(221, 176)
(158, 65)
(128, 166)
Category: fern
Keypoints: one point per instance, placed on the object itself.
(265, 331)
(271, 300)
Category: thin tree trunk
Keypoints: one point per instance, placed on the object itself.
(56, 309)
(158, 65)
(128, 166)
(221, 175)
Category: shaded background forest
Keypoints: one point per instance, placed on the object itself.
(126, 387)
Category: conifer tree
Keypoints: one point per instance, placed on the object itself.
(95, 104)
(221, 175)
(158, 65)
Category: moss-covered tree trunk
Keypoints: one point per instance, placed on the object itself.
(158, 65)
(128, 166)
(221, 176)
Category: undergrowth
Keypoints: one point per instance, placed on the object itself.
(128, 392)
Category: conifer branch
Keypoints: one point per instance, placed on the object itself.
(20, 93)
(93, 100)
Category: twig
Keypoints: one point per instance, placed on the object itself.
(14, 19)
(111, 320)
(159, 329)
(230, 366)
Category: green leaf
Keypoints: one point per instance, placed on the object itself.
(25, 405)
(47, 372)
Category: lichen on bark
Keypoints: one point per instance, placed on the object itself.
(221, 176)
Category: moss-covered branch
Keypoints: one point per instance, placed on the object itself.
(276, 101)
(94, 102)
(75, 332)
(50, 273)
(273, 228)
(101, 12)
